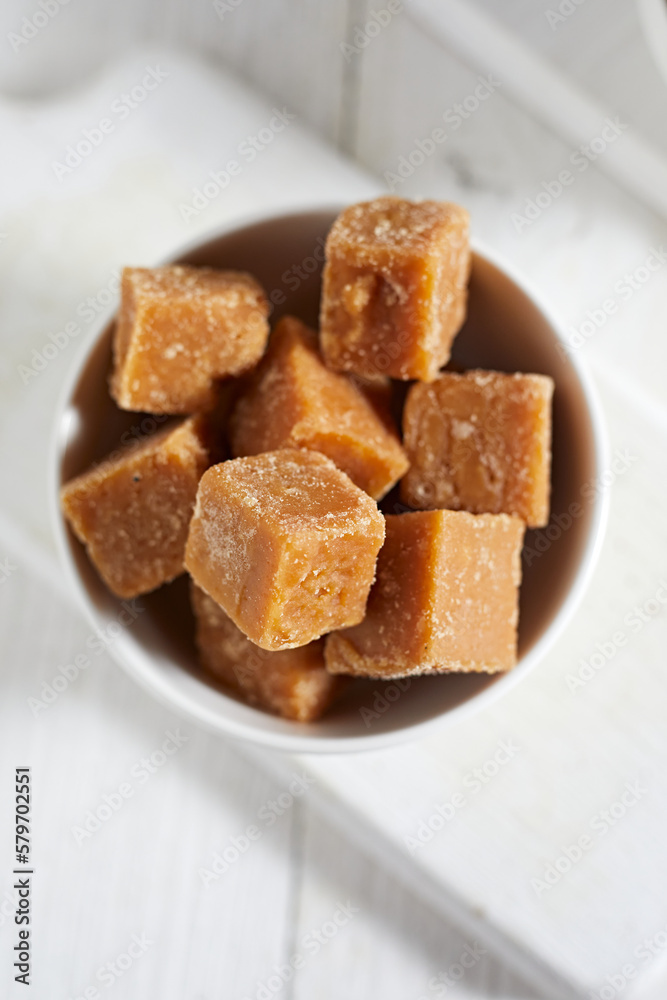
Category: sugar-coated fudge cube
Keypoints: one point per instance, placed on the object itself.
(181, 328)
(293, 682)
(394, 287)
(445, 599)
(481, 442)
(286, 544)
(379, 391)
(132, 511)
(295, 401)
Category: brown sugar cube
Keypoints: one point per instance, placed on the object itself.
(215, 420)
(293, 682)
(480, 442)
(286, 544)
(445, 599)
(394, 287)
(379, 391)
(181, 328)
(295, 401)
(132, 511)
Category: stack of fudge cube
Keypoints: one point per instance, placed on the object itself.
(266, 491)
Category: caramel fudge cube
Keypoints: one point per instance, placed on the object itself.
(181, 328)
(394, 287)
(293, 682)
(445, 599)
(295, 401)
(132, 511)
(286, 544)
(481, 442)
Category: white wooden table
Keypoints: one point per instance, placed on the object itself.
(303, 890)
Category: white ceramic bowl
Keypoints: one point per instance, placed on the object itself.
(506, 329)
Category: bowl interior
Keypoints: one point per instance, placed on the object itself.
(504, 330)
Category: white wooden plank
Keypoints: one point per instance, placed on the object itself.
(290, 49)
(599, 44)
(294, 57)
(548, 95)
(139, 872)
(361, 934)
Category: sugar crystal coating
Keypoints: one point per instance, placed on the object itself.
(445, 599)
(179, 330)
(292, 683)
(132, 511)
(394, 287)
(295, 401)
(481, 442)
(286, 544)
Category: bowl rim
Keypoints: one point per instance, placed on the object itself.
(155, 681)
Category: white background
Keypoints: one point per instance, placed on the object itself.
(139, 874)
